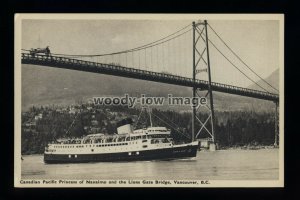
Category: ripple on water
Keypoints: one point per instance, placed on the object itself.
(220, 165)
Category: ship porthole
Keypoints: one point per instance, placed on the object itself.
(137, 153)
(129, 153)
(75, 156)
(69, 156)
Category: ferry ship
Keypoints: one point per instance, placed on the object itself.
(152, 143)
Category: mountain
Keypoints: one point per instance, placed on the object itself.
(273, 80)
(47, 86)
(234, 102)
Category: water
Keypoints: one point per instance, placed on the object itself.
(220, 165)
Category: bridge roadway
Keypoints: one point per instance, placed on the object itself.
(114, 69)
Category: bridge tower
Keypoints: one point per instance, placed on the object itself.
(276, 120)
(201, 67)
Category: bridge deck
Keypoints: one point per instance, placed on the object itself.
(112, 69)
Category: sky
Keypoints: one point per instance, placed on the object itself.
(255, 41)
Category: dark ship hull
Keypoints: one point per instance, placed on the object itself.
(175, 152)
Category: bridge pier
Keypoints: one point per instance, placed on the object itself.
(213, 147)
(276, 123)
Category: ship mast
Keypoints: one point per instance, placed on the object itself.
(144, 108)
(149, 110)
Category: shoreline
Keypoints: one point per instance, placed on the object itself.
(248, 147)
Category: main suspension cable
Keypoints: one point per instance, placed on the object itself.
(134, 49)
(241, 59)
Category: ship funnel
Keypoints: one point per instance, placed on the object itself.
(125, 126)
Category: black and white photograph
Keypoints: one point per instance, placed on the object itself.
(149, 100)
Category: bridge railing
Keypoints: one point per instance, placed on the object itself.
(116, 67)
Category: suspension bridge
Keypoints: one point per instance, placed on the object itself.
(181, 58)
